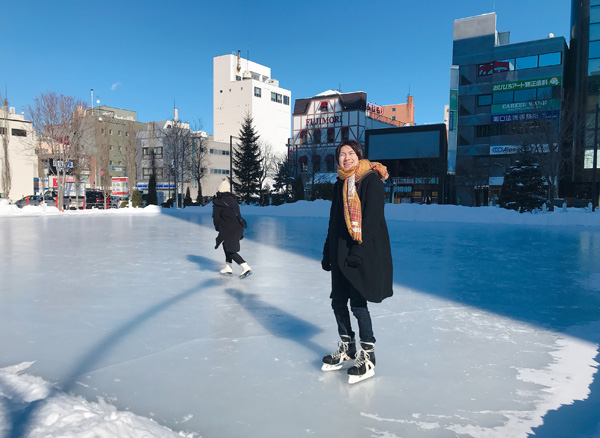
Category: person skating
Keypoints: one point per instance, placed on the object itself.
(225, 218)
(358, 254)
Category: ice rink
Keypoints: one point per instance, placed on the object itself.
(493, 331)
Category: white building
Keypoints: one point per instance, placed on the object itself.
(22, 159)
(243, 87)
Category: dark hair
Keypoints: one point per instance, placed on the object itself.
(356, 147)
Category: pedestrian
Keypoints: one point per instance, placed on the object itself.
(226, 214)
(358, 254)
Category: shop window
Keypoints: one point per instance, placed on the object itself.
(329, 163)
(316, 162)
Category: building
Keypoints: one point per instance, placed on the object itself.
(416, 158)
(18, 170)
(496, 89)
(581, 180)
(402, 114)
(242, 87)
(320, 123)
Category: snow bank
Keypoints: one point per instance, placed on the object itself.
(64, 415)
(320, 208)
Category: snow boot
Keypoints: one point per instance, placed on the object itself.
(364, 365)
(226, 270)
(246, 270)
(346, 351)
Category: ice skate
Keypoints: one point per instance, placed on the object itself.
(246, 271)
(364, 365)
(346, 351)
(226, 270)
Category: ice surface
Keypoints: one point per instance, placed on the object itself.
(110, 319)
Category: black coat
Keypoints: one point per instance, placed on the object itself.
(373, 278)
(225, 208)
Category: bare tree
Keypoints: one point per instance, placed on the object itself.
(131, 156)
(4, 128)
(268, 168)
(53, 119)
(177, 141)
(199, 159)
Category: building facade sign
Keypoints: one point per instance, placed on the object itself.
(324, 121)
(525, 117)
(375, 109)
(525, 107)
(530, 83)
(504, 150)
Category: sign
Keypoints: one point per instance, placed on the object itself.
(323, 120)
(119, 186)
(453, 100)
(504, 150)
(527, 84)
(525, 117)
(375, 109)
(524, 107)
(452, 120)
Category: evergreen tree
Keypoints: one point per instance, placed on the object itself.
(136, 199)
(284, 180)
(187, 201)
(152, 198)
(246, 162)
(299, 189)
(200, 197)
(523, 187)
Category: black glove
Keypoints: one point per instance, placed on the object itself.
(353, 261)
(326, 265)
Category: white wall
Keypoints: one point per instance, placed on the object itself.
(21, 154)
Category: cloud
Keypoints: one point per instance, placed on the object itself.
(114, 86)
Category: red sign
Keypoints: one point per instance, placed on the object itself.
(375, 109)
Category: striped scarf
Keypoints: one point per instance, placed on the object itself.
(352, 206)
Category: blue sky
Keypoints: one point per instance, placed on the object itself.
(147, 55)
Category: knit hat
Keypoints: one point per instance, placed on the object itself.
(224, 186)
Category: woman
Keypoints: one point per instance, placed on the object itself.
(225, 218)
(357, 252)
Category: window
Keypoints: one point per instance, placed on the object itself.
(126, 133)
(257, 92)
(158, 152)
(329, 162)
(316, 162)
(594, 14)
(323, 107)
(550, 59)
(594, 67)
(330, 135)
(19, 132)
(273, 97)
(503, 97)
(317, 136)
(2, 130)
(345, 133)
(527, 62)
(525, 95)
(119, 133)
(394, 109)
(393, 117)
(483, 130)
(110, 131)
(303, 137)
(303, 162)
(286, 100)
(485, 69)
(484, 100)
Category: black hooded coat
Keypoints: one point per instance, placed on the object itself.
(373, 277)
(225, 209)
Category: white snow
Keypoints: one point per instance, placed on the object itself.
(115, 324)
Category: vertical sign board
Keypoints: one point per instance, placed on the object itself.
(119, 186)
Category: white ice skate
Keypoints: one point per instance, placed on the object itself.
(226, 270)
(346, 351)
(246, 271)
(364, 365)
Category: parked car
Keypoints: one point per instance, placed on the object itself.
(117, 201)
(94, 199)
(36, 200)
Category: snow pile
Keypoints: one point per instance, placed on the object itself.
(393, 212)
(63, 415)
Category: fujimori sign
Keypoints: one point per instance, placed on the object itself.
(323, 120)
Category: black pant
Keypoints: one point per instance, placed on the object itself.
(339, 302)
(233, 256)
